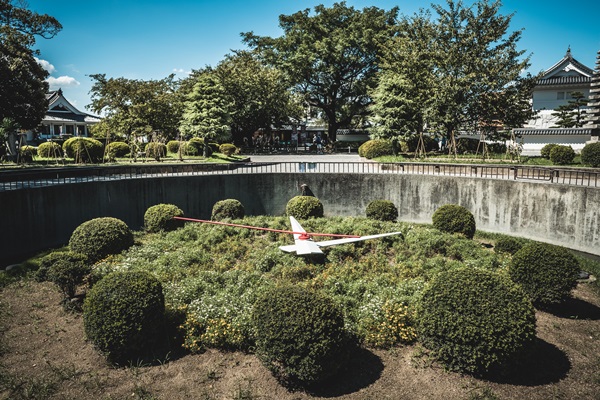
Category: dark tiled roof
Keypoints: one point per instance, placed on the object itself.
(565, 80)
(553, 131)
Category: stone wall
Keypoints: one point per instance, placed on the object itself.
(41, 218)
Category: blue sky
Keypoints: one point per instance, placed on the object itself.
(151, 39)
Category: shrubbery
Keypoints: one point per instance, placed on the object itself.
(475, 320)
(228, 149)
(508, 244)
(50, 150)
(547, 273)
(28, 151)
(100, 237)
(562, 155)
(375, 148)
(83, 149)
(52, 258)
(300, 334)
(155, 150)
(189, 149)
(160, 218)
(453, 218)
(69, 272)
(198, 143)
(545, 151)
(117, 149)
(123, 315)
(411, 144)
(228, 208)
(590, 154)
(173, 146)
(466, 145)
(303, 207)
(382, 210)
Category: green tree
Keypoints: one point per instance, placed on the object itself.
(207, 112)
(259, 95)
(572, 114)
(330, 57)
(136, 107)
(477, 68)
(22, 79)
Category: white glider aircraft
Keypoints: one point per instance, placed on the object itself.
(303, 241)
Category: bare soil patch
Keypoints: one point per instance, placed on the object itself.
(45, 356)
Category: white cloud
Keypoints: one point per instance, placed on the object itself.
(46, 65)
(62, 82)
(181, 71)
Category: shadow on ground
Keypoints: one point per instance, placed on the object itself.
(363, 370)
(575, 309)
(543, 364)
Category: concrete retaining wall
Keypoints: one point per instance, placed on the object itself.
(40, 218)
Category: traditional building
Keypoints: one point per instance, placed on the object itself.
(594, 104)
(63, 120)
(554, 89)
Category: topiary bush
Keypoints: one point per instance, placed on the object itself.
(300, 335)
(590, 154)
(382, 210)
(228, 208)
(117, 149)
(155, 150)
(160, 218)
(188, 149)
(562, 155)
(475, 320)
(508, 244)
(228, 149)
(547, 273)
(375, 148)
(173, 146)
(83, 149)
(303, 207)
(545, 151)
(453, 218)
(198, 143)
(50, 150)
(68, 273)
(50, 259)
(28, 151)
(123, 315)
(100, 237)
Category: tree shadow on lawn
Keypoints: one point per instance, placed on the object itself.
(543, 364)
(575, 309)
(363, 369)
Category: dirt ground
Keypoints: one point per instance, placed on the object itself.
(45, 356)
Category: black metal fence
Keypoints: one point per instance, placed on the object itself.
(28, 178)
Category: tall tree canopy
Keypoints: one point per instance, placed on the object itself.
(136, 107)
(477, 68)
(207, 112)
(259, 95)
(330, 57)
(22, 80)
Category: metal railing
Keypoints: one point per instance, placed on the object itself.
(31, 178)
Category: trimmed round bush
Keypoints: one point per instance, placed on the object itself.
(100, 237)
(382, 210)
(117, 149)
(228, 208)
(545, 151)
(300, 334)
(160, 218)
(547, 273)
(453, 218)
(68, 273)
(173, 146)
(52, 258)
(28, 151)
(83, 149)
(475, 320)
(375, 148)
(590, 154)
(189, 149)
(155, 150)
(562, 155)
(50, 150)
(508, 244)
(123, 315)
(303, 207)
(228, 149)
(198, 143)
